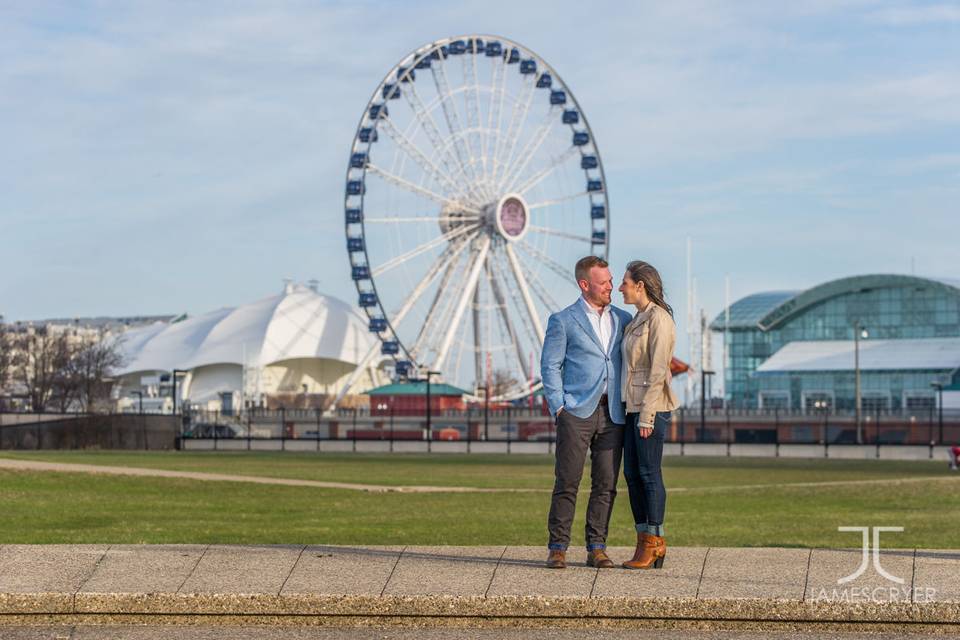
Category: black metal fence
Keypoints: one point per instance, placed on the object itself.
(510, 425)
(772, 426)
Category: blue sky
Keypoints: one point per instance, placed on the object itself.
(161, 157)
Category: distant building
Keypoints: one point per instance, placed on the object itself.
(410, 398)
(293, 349)
(795, 349)
(105, 324)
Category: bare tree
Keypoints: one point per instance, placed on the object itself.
(90, 368)
(6, 357)
(63, 371)
(40, 356)
(501, 381)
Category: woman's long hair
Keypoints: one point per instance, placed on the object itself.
(646, 273)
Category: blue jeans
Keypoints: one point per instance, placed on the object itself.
(642, 458)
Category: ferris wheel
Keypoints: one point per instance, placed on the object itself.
(473, 186)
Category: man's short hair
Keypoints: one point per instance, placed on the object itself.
(582, 270)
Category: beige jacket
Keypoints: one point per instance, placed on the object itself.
(648, 343)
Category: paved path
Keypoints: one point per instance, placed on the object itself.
(36, 465)
(698, 588)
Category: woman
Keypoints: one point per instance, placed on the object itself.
(648, 343)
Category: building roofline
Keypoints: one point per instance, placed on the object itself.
(800, 301)
(417, 388)
(841, 286)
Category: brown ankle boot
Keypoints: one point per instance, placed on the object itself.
(638, 552)
(650, 552)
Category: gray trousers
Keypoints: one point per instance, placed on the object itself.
(575, 435)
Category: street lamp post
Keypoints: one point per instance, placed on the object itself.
(486, 412)
(173, 376)
(429, 427)
(939, 387)
(140, 396)
(703, 401)
(858, 332)
(823, 407)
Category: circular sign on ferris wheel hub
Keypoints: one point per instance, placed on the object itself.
(511, 217)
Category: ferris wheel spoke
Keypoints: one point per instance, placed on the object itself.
(494, 109)
(429, 126)
(431, 219)
(556, 201)
(508, 323)
(418, 156)
(461, 346)
(516, 308)
(560, 234)
(416, 251)
(449, 108)
(540, 289)
(521, 108)
(546, 171)
(421, 191)
(552, 264)
(478, 331)
(471, 99)
(529, 151)
(465, 297)
(434, 312)
(524, 291)
(440, 264)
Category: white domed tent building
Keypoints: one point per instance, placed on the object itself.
(300, 343)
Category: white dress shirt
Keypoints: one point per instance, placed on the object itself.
(602, 323)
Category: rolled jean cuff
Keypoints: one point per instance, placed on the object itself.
(595, 546)
(555, 546)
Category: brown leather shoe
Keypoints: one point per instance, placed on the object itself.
(650, 552)
(557, 559)
(598, 558)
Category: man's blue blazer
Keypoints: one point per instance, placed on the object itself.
(573, 365)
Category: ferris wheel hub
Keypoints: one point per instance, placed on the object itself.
(509, 218)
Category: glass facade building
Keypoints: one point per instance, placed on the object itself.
(887, 307)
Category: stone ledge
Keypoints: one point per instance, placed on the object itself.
(161, 606)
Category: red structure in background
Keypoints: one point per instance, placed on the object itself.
(410, 399)
(678, 366)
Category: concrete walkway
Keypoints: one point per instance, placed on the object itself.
(698, 588)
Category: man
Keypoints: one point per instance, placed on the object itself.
(580, 368)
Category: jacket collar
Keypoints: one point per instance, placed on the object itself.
(642, 316)
(580, 315)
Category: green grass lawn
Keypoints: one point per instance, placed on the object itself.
(715, 508)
